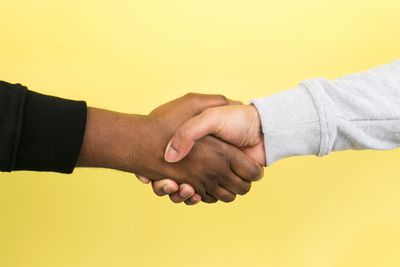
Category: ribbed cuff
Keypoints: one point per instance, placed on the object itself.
(52, 134)
(290, 124)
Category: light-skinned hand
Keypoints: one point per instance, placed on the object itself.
(216, 169)
(238, 125)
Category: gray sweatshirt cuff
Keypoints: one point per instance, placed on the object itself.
(290, 123)
(358, 111)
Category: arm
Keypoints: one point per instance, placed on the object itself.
(359, 111)
(50, 134)
(31, 127)
(136, 144)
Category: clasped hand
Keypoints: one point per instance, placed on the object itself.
(215, 150)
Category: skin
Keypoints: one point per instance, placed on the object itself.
(237, 125)
(134, 143)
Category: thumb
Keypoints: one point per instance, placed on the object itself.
(194, 129)
(143, 179)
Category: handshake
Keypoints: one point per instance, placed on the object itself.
(194, 148)
(209, 148)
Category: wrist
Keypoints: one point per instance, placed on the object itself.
(255, 122)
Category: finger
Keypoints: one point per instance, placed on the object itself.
(194, 129)
(235, 185)
(245, 167)
(198, 188)
(175, 197)
(184, 192)
(164, 187)
(224, 195)
(143, 179)
(203, 101)
(193, 200)
(208, 199)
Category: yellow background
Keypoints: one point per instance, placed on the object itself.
(131, 56)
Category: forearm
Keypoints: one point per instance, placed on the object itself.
(45, 133)
(111, 140)
(360, 111)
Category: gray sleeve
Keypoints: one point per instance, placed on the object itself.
(359, 111)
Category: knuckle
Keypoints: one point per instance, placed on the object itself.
(190, 95)
(255, 173)
(212, 176)
(222, 99)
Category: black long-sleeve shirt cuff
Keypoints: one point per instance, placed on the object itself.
(39, 132)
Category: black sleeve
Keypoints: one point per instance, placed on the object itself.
(39, 132)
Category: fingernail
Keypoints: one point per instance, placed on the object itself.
(170, 153)
(190, 202)
(194, 200)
